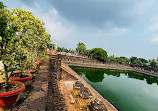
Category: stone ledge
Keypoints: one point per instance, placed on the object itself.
(95, 94)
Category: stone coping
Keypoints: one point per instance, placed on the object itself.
(121, 67)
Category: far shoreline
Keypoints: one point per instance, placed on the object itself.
(111, 67)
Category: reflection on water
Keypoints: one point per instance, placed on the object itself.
(126, 90)
(97, 74)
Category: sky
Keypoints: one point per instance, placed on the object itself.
(121, 27)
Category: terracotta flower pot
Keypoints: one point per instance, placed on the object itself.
(32, 71)
(10, 98)
(37, 63)
(21, 79)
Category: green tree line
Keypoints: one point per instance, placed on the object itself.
(101, 55)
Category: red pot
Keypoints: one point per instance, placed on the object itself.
(37, 63)
(10, 98)
(32, 71)
(21, 79)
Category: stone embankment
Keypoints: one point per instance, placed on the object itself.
(111, 66)
(73, 60)
(66, 78)
(95, 94)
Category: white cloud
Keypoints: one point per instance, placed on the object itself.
(111, 32)
(54, 11)
(34, 11)
(153, 28)
(154, 39)
(154, 24)
(56, 29)
(37, 6)
(154, 18)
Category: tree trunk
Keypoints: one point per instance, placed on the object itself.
(21, 73)
(6, 76)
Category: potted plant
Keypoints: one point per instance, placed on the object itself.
(23, 62)
(7, 99)
(19, 31)
(30, 37)
(9, 91)
(31, 32)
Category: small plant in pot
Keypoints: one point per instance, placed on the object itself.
(9, 91)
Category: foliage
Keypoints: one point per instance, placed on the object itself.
(153, 63)
(31, 32)
(111, 58)
(98, 53)
(22, 37)
(7, 54)
(87, 52)
(81, 48)
(122, 60)
(138, 61)
(63, 49)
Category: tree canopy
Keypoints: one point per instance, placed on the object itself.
(81, 48)
(98, 53)
(22, 37)
(31, 31)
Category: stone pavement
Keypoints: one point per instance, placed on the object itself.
(45, 95)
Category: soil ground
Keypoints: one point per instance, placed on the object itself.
(66, 89)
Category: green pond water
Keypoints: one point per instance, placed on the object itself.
(126, 90)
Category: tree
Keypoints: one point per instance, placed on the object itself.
(138, 61)
(7, 54)
(65, 50)
(87, 52)
(19, 31)
(31, 32)
(133, 60)
(153, 63)
(81, 48)
(122, 60)
(143, 60)
(111, 58)
(98, 53)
